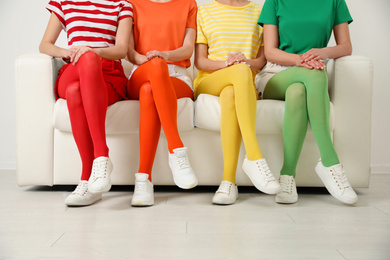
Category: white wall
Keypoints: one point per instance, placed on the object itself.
(23, 23)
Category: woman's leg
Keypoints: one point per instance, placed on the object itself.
(70, 86)
(147, 84)
(240, 77)
(150, 126)
(93, 91)
(88, 96)
(149, 129)
(80, 129)
(295, 121)
(156, 73)
(230, 134)
(329, 170)
(318, 105)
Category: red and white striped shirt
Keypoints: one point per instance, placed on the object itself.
(91, 23)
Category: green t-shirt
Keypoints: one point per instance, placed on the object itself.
(304, 24)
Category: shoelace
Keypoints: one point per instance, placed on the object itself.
(140, 186)
(81, 189)
(100, 169)
(265, 171)
(183, 162)
(340, 177)
(225, 188)
(287, 185)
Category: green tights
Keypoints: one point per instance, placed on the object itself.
(306, 100)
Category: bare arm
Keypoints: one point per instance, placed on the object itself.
(182, 53)
(49, 38)
(132, 55)
(119, 50)
(259, 62)
(343, 45)
(271, 47)
(54, 27)
(202, 62)
(275, 55)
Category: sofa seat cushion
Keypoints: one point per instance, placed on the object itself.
(269, 117)
(123, 117)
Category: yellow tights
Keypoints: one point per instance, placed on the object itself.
(237, 98)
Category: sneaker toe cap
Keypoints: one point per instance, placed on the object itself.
(100, 185)
(186, 181)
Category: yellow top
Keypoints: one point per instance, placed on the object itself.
(228, 29)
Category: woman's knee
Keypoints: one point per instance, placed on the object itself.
(226, 98)
(241, 71)
(90, 58)
(241, 77)
(296, 96)
(146, 94)
(89, 65)
(313, 79)
(158, 67)
(73, 94)
(296, 91)
(158, 62)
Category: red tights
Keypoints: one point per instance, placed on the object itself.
(87, 95)
(158, 94)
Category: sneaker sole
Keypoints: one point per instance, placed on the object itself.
(75, 204)
(183, 186)
(262, 188)
(285, 201)
(139, 203)
(217, 202)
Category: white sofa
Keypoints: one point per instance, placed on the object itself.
(47, 154)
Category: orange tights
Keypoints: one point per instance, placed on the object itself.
(158, 94)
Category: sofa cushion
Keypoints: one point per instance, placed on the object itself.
(269, 117)
(123, 117)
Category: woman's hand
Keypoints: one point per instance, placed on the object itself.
(235, 58)
(157, 54)
(315, 54)
(311, 64)
(140, 59)
(313, 59)
(75, 52)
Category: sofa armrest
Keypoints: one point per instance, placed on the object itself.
(35, 76)
(351, 84)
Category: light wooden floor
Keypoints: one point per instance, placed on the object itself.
(35, 224)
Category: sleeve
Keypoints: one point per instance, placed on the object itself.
(268, 14)
(342, 13)
(54, 6)
(261, 38)
(126, 11)
(191, 20)
(200, 36)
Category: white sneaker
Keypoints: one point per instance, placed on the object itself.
(226, 194)
(261, 176)
(289, 194)
(81, 196)
(183, 175)
(100, 181)
(143, 191)
(336, 182)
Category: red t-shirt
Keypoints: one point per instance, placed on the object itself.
(161, 26)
